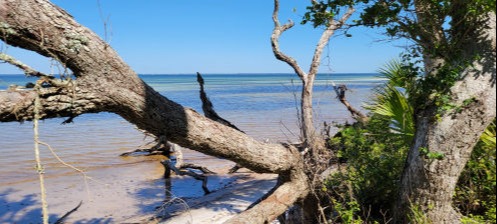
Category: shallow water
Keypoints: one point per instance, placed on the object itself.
(263, 105)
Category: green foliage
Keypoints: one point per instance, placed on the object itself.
(375, 159)
(391, 100)
(348, 212)
(416, 215)
(376, 151)
(439, 29)
(475, 192)
(320, 13)
(425, 152)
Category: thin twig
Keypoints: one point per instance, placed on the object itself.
(27, 70)
(82, 172)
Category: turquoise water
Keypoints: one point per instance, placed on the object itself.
(263, 105)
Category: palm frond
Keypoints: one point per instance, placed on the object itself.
(391, 100)
(394, 104)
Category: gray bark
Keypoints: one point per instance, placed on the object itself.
(428, 184)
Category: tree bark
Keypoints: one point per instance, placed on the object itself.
(308, 131)
(428, 184)
(104, 82)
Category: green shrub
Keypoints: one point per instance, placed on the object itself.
(375, 154)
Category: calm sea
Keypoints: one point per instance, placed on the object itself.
(263, 105)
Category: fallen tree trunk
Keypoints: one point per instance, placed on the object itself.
(104, 82)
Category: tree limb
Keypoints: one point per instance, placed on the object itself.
(277, 31)
(288, 191)
(208, 108)
(356, 114)
(27, 70)
(113, 86)
(325, 38)
(209, 112)
(55, 102)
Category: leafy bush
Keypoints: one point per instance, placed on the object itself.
(475, 191)
(375, 153)
(375, 159)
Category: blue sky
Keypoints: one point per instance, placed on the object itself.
(214, 36)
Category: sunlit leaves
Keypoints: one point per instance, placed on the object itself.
(321, 13)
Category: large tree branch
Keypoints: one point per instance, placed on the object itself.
(44, 28)
(18, 105)
(289, 190)
(104, 82)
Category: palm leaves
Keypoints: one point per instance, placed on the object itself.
(392, 101)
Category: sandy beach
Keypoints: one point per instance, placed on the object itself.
(135, 194)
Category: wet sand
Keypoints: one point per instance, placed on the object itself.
(117, 194)
(118, 190)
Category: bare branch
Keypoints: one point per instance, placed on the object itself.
(169, 165)
(204, 170)
(208, 108)
(325, 38)
(277, 31)
(356, 114)
(27, 70)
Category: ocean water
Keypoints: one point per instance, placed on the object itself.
(263, 105)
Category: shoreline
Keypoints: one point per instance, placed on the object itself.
(122, 194)
(264, 109)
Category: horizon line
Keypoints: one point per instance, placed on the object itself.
(226, 73)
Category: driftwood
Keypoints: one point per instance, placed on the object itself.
(170, 166)
(209, 112)
(356, 114)
(175, 164)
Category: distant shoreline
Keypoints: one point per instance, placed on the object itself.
(242, 73)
